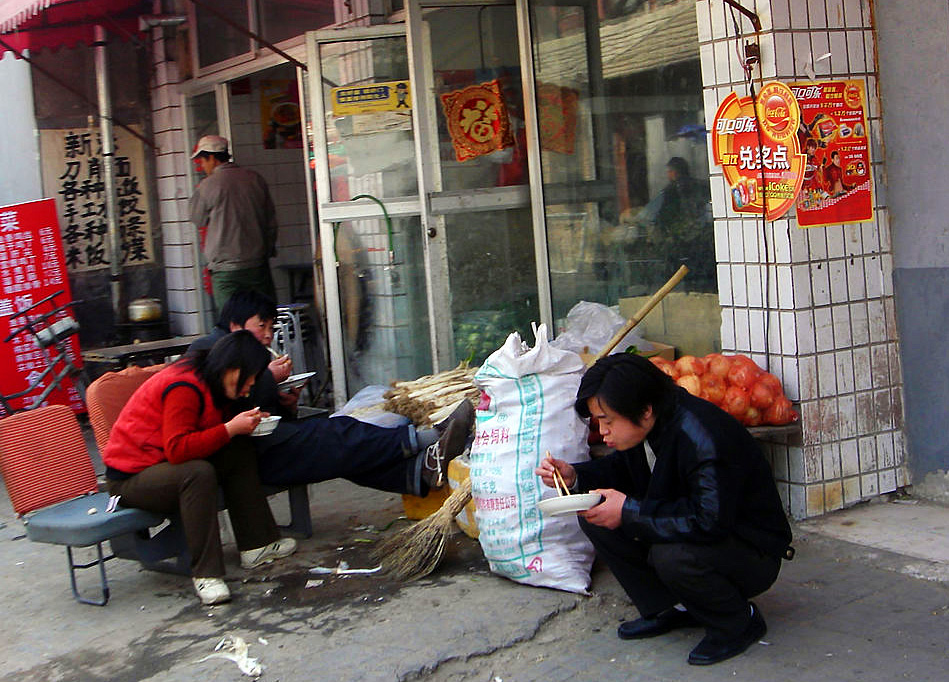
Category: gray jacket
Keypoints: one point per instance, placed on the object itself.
(236, 206)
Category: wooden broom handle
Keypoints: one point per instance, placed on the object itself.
(641, 313)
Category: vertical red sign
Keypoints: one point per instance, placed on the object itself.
(834, 136)
(32, 268)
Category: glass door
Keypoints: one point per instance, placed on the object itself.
(473, 169)
(363, 152)
(422, 188)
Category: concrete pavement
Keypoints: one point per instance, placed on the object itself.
(866, 598)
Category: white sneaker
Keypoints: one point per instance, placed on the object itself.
(253, 558)
(211, 590)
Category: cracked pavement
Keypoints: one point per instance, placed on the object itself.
(840, 611)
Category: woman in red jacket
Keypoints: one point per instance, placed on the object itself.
(178, 439)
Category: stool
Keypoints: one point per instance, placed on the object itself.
(289, 334)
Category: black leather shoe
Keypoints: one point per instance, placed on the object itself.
(642, 628)
(711, 651)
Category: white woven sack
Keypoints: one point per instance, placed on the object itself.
(527, 410)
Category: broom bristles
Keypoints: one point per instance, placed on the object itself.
(416, 551)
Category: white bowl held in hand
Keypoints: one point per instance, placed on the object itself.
(266, 426)
(295, 381)
(569, 504)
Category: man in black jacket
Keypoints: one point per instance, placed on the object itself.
(692, 537)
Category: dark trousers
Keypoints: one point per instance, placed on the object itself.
(714, 582)
(191, 490)
(225, 283)
(321, 449)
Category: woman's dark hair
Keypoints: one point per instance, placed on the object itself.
(627, 384)
(238, 350)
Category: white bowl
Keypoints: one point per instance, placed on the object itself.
(295, 381)
(569, 504)
(266, 426)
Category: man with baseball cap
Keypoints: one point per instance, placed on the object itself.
(236, 206)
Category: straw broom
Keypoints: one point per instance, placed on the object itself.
(416, 551)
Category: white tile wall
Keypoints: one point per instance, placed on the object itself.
(837, 340)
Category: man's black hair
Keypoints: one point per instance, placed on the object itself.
(627, 384)
(243, 305)
(240, 350)
(680, 166)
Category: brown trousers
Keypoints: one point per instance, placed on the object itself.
(191, 490)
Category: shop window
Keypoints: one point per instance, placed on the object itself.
(217, 40)
(274, 20)
(625, 161)
(284, 19)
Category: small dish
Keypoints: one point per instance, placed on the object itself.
(266, 426)
(568, 504)
(295, 381)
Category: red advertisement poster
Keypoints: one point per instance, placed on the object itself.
(759, 151)
(833, 136)
(32, 270)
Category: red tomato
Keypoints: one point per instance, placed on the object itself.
(780, 412)
(666, 366)
(691, 383)
(762, 394)
(718, 364)
(736, 401)
(743, 371)
(713, 388)
(689, 364)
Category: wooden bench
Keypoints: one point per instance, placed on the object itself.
(105, 398)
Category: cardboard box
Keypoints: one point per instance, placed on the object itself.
(663, 350)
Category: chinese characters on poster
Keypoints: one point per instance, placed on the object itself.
(32, 268)
(762, 164)
(833, 135)
(73, 174)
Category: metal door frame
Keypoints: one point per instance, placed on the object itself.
(430, 204)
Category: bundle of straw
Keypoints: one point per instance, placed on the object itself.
(430, 399)
(417, 550)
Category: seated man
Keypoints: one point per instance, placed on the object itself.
(693, 537)
(398, 460)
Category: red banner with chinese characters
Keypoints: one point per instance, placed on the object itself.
(477, 120)
(833, 136)
(759, 151)
(32, 268)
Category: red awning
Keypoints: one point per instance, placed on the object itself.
(38, 24)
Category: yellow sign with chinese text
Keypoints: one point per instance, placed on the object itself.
(371, 98)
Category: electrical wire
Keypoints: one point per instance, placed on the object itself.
(747, 67)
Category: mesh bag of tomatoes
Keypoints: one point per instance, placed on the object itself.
(734, 383)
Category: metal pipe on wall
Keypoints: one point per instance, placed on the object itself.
(108, 168)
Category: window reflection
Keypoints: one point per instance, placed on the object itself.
(624, 154)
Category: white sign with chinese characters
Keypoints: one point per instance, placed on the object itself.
(73, 174)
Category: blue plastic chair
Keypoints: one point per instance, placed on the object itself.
(53, 488)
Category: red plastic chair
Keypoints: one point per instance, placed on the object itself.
(53, 488)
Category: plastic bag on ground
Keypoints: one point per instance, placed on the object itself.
(367, 406)
(526, 411)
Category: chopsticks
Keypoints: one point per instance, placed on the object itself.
(558, 479)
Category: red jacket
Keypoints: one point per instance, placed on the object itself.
(171, 417)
